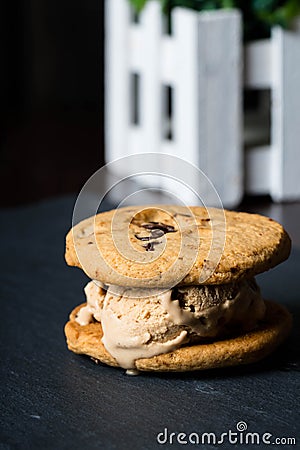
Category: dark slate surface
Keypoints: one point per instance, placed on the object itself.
(53, 399)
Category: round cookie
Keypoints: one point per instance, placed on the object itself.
(243, 349)
(162, 245)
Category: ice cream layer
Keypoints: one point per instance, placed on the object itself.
(144, 323)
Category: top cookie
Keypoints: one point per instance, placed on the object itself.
(159, 246)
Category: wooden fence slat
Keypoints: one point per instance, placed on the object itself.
(219, 99)
(285, 128)
(116, 78)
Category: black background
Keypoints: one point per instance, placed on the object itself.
(51, 88)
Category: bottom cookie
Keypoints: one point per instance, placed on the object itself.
(244, 349)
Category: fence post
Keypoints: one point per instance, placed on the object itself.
(285, 115)
(116, 77)
(184, 81)
(220, 95)
(208, 93)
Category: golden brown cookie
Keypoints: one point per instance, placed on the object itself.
(243, 349)
(161, 246)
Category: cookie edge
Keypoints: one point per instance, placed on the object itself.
(244, 349)
(279, 254)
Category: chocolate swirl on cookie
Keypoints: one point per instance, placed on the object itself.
(157, 230)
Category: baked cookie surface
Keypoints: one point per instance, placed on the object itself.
(162, 245)
(243, 349)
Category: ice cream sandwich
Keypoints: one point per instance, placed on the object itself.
(173, 288)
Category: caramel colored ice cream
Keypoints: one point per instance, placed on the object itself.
(140, 323)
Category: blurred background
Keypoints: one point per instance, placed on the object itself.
(52, 116)
(51, 90)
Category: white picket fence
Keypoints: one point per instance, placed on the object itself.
(181, 94)
(275, 64)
